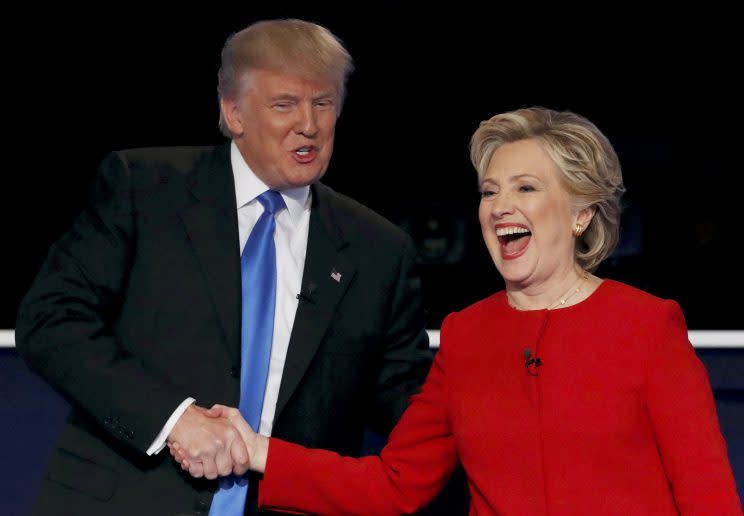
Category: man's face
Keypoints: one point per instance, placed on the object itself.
(284, 126)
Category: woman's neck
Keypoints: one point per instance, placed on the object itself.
(570, 288)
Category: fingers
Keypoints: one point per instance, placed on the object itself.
(239, 456)
(240, 450)
(240, 424)
(208, 468)
(195, 469)
(223, 458)
(179, 455)
(204, 463)
(176, 452)
(215, 411)
(212, 442)
(218, 410)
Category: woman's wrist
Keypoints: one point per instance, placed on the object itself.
(259, 453)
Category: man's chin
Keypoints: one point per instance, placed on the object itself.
(303, 178)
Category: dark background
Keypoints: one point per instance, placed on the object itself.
(662, 86)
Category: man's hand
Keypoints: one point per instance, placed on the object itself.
(211, 446)
(257, 445)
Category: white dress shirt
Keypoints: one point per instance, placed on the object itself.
(290, 238)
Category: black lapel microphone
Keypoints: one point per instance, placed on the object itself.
(529, 360)
(306, 292)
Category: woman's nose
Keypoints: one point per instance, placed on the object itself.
(501, 205)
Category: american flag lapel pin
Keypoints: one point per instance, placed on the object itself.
(336, 276)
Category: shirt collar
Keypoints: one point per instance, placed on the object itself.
(248, 187)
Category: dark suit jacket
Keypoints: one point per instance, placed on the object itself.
(138, 307)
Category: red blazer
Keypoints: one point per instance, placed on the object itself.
(617, 419)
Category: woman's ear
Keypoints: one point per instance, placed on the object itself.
(585, 216)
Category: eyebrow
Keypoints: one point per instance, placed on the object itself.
(325, 94)
(283, 96)
(522, 176)
(512, 179)
(289, 96)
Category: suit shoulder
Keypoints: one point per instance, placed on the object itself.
(162, 161)
(180, 159)
(635, 299)
(634, 313)
(484, 310)
(143, 174)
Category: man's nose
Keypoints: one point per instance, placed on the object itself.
(307, 123)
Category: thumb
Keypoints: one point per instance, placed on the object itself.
(217, 410)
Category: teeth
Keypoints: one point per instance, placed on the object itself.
(304, 150)
(510, 231)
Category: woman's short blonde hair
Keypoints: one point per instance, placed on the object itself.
(590, 168)
(295, 47)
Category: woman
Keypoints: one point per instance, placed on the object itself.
(563, 394)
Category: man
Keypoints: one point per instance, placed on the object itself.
(224, 275)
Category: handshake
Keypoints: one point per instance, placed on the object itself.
(216, 442)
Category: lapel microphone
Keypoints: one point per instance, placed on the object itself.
(529, 360)
(306, 292)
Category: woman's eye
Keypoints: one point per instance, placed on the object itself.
(487, 193)
(526, 188)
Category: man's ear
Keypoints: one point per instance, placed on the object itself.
(232, 115)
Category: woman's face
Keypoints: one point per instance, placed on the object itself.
(526, 215)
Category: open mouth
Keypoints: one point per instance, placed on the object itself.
(305, 153)
(513, 240)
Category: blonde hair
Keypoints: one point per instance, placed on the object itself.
(295, 47)
(589, 165)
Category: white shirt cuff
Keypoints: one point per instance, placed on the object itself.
(159, 443)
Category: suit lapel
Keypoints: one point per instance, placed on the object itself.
(327, 274)
(212, 227)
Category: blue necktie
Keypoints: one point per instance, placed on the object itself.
(258, 278)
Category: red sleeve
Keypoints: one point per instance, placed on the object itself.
(413, 467)
(685, 422)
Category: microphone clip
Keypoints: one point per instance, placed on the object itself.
(536, 361)
(306, 292)
(531, 363)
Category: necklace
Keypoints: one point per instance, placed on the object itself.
(575, 289)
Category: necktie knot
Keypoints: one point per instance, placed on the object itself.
(272, 201)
